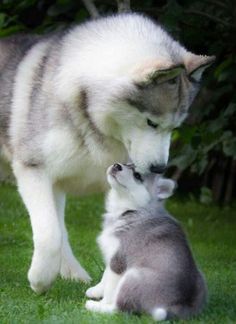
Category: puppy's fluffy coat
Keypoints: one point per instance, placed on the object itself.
(149, 265)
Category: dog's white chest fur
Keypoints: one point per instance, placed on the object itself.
(71, 163)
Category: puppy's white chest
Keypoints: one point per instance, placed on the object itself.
(108, 243)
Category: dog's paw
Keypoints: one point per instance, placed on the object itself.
(95, 292)
(74, 271)
(100, 307)
(43, 271)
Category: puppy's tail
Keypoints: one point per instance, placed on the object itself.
(159, 314)
(184, 311)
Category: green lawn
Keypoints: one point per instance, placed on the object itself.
(212, 232)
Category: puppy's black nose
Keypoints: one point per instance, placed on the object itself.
(159, 168)
(117, 167)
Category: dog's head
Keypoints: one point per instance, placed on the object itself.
(156, 102)
(139, 84)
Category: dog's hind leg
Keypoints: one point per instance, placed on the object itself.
(36, 190)
(70, 267)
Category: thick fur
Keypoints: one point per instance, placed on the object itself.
(72, 103)
(167, 276)
(151, 256)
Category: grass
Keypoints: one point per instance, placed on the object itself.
(211, 230)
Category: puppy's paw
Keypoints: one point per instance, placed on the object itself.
(92, 305)
(71, 269)
(95, 292)
(100, 307)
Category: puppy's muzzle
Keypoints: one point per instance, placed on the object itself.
(116, 167)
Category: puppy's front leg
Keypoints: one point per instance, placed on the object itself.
(110, 285)
(97, 291)
(36, 190)
(107, 304)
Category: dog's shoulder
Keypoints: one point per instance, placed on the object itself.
(15, 46)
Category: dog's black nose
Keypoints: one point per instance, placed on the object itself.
(159, 168)
(117, 167)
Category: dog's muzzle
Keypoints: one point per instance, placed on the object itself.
(159, 168)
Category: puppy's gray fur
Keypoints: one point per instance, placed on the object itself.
(152, 241)
(146, 253)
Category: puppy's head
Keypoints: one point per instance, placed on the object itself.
(127, 187)
(124, 179)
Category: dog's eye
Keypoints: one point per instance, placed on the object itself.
(151, 123)
(172, 81)
(138, 176)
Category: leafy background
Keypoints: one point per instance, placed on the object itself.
(203, 156)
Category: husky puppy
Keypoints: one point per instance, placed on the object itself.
(72, 103)
(149, 265)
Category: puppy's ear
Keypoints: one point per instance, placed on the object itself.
(150, 181)
(159, 187)
(165, 188)
(197, 64)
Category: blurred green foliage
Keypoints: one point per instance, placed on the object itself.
(203, 157)
(204, 149)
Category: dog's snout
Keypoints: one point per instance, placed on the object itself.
(158, 168)
(117, 167)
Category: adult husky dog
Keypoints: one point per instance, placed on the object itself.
(73, 103)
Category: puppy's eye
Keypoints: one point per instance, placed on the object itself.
(151, 123)
(138, 176)
(172, 81)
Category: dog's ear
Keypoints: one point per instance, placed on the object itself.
(165, 188)
(156, 72)
(196, 64)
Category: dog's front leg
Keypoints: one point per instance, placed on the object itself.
(70, 266)
(36, 190)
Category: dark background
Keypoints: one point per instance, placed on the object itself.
(203, 155)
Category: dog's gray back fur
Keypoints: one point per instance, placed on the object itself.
(12, 51)
(153, 242)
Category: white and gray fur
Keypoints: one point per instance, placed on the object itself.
(153, 242)
(151, 262)
(72, 103)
